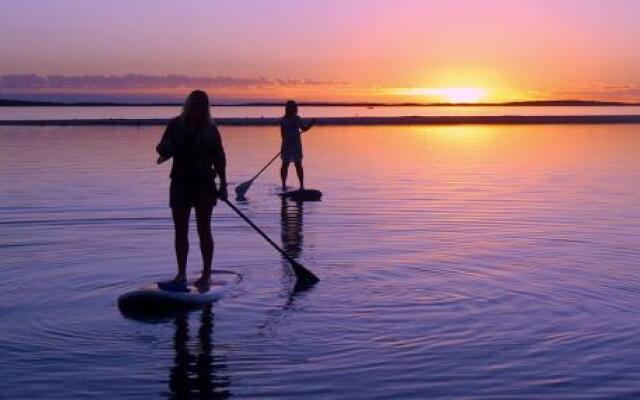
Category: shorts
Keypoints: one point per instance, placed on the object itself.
(291, 153)
(185, 194)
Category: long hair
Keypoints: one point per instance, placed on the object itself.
(197, 108)
(290, 109)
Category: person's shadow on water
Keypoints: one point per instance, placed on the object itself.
(197, 372)
(291, 218)
(291, 233)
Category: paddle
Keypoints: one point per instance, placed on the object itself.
(243, 188)
(305, 277)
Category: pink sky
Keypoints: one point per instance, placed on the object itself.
(331, 49)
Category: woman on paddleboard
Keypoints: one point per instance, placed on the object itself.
(193, 140)
(291, 126)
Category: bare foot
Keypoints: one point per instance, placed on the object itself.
(174, 285)
(202, 284)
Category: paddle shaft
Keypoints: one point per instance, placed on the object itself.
(266, 166)
(264, 235)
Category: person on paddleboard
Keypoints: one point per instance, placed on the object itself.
(291, 127)
(193, 141)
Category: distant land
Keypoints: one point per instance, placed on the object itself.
(355, 121)
(534, 103)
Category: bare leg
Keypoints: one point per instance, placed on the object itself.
(284, 170)
(300, 173)
(203, 220)
(181, 242)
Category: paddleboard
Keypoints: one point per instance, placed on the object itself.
(302, 195)
(151, 298)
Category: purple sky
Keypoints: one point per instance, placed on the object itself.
(514, 48)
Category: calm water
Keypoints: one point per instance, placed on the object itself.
(458, 262)
(40, 113)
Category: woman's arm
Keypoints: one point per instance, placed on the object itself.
(308, 126)
(220, 162)
(164, 148)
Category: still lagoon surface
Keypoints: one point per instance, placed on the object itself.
(475, 262)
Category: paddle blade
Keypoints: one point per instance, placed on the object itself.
(242, 189)
(305, 277)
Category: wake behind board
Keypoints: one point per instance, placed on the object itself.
(302, 195)
(151, 299)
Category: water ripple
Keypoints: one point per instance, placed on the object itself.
(456, 262)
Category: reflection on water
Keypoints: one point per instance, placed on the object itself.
(291, 215)
(197, 371)
(291, 222)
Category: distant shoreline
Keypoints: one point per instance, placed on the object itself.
(537, 103)
(358, 121)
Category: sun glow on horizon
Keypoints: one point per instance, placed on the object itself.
(447, 94)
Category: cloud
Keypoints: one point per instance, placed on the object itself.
(602, 91)
(140, 81)
(623, 90)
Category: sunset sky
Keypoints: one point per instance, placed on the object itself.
(334, 50)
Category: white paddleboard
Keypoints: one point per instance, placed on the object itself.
(151, 298)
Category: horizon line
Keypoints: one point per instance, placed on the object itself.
(356, 121)
(6, 102)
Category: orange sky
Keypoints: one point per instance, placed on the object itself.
(378, 50)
